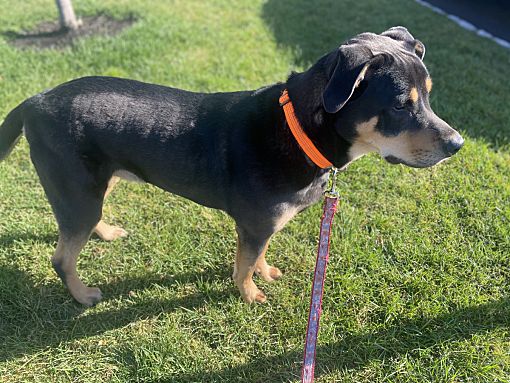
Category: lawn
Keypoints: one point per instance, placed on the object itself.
(418, 285)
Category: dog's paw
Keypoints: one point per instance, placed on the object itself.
(90, 296)
(275, 273)
(251, 293)
(110, 233)
(269, 274)
(116, 232)
(255, 296)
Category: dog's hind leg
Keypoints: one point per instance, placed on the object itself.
(111, 184)
(103, 230)
(76, 196)
(250, 251)
(76, 216)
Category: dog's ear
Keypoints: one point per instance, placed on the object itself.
(346, 77)
(402, 34)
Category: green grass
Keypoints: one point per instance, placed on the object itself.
(418, 284)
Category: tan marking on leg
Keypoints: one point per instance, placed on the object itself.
(413, 94)
(124, 174)
(113, 181)
(109, 233)
(245, 265)
(428, 84)
(64, 261)
(264, 270)
(103, 230)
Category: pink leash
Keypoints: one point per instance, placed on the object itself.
(312, 330)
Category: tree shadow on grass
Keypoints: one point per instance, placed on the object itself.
(51, 35)
(37, 317)
(468, 71)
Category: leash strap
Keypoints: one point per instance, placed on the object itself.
(312, 330)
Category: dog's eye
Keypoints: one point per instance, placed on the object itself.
(399, 107)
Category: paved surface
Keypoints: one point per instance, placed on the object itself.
(490, 15)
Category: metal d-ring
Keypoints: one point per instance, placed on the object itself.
(331, 191)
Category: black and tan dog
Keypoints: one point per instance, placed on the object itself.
(229, 151)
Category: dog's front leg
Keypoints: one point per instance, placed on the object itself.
(251, 249)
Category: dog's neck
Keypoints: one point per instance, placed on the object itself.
(306, 95)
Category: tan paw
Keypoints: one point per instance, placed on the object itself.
(89, 296)
(270, 274)
(255, 296)
(251, 293)
(114, 233)
(109, 233)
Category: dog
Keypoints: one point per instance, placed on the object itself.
(231, 151)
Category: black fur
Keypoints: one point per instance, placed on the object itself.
(229, 151)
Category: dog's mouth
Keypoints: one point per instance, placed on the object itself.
(395, 161)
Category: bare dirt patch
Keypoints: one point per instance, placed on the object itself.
(50, 35)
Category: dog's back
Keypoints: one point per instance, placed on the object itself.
(166, 136)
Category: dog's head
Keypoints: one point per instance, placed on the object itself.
(377, 98)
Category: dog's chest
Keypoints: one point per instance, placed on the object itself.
(300, 201)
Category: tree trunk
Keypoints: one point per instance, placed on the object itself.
(67, 16)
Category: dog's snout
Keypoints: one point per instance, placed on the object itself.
(454, 144)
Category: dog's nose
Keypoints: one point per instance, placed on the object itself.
(453, 145)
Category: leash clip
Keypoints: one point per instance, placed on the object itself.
(331, 191)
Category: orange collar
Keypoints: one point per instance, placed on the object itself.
(299, 134)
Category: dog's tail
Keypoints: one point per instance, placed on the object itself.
(10, 131)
